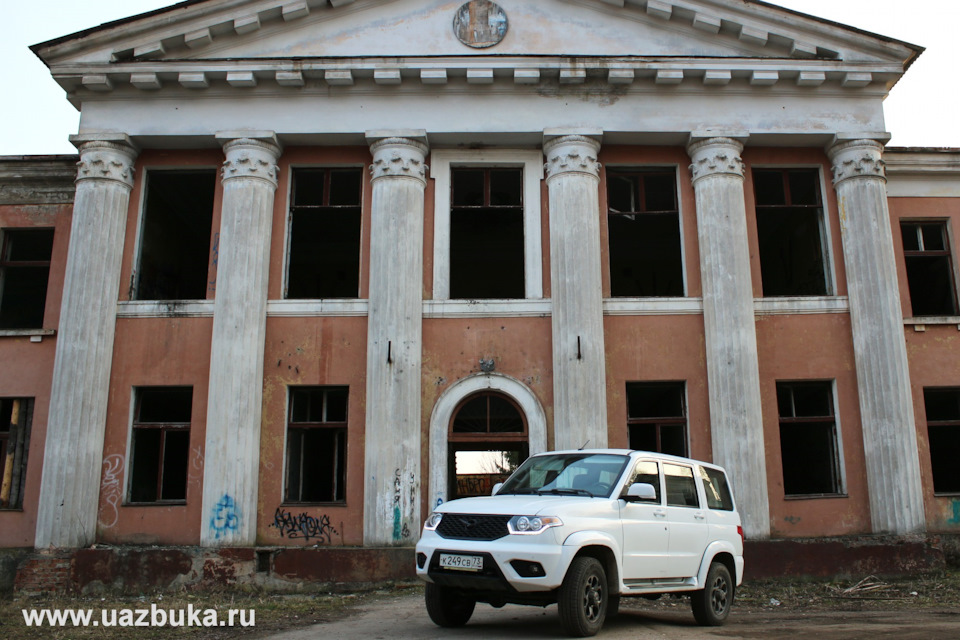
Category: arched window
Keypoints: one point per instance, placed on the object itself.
(487, 440)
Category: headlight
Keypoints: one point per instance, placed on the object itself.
(532, 524)
(433, 521)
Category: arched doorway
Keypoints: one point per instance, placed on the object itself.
(486, 441)
(446, 407)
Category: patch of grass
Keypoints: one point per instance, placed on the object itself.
(272, 612)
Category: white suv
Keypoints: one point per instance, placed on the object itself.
(583, 529)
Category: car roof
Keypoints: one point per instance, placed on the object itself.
(635, 453)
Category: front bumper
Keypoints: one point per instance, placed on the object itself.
(497, 573)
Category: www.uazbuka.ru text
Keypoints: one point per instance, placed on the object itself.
(152, 617)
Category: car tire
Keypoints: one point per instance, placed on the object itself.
(711, 605)
(583, 598)
(448, 608)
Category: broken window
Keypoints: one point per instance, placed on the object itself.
(486, 233)
(24, 271)
(160, 445)
(926, 251)
(657, 417)
(943, 427)
(790, 232)
(317, 444)
(175, 235)
(644, 230)
(16, 416)
(324, 249)
(808, 439)
(487, 441)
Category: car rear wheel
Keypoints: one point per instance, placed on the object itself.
(583, 597)
(448, 608)
(711, 605)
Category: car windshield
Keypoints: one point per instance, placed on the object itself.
(586, 474)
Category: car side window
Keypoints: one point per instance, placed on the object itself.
(681, 486)
(646, 471)
(716, 488)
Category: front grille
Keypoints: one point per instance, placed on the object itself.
(472, 527)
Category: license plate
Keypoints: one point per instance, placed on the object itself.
(461, 563)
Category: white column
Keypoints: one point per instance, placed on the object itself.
(579, 369)
(232, 450)
(733, 375)
(392, 453)
(883, 376)
(73, 451)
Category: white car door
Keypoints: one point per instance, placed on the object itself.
(646, 532)
(687, 518)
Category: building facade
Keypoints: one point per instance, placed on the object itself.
(321, 253)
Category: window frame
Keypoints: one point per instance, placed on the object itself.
(21, 450)
(954, 267)
(441, 161)
(164, 427)
(660, 421)
(954, 424)
(288, 227)
(826, 235)
(839, 466)
(341, 428)
(678, 199)
(15, 264)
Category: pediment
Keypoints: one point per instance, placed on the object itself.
(331, 29)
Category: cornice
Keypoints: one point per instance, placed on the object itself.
(38, 180)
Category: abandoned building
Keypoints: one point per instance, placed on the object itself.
(314, 254)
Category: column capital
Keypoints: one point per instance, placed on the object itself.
(250, 154)
(398, 157)
(856, 158)
(715, 156)
(572, 153)
(107, 156)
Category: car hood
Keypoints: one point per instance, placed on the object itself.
(525, 505)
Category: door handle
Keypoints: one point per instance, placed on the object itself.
(698, 516)
(660, 513)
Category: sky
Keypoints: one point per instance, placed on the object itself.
(921, 111)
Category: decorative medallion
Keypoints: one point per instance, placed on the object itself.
(480, 24)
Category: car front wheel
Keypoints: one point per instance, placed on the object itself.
(711, 605)
(448, 608)
(583, 597)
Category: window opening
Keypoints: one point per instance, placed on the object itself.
(808, 439)
(160, 444)
(24, 272)
(681, 486)
(317, 444)
(16, 416)
(943, 428)
(790, 232)
(324, 247)
(716, 488)
(926, 252)
(486, 233)
(487, 442)
(175, 235)
(647, 471)
(657, 417)
(643, 222)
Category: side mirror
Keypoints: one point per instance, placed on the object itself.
(641, 492)
(496, 488)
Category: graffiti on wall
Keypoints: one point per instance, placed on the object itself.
(224, 517)
(110, 490)
(955, 519)
(215, 252)
(401, 529)
(303, 526)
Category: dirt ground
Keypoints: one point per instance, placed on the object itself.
(914, 607)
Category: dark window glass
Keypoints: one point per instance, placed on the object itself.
(644, 230)
(324, 247)
(926, 252)
(656, 417)
(24, 272)
(486, 234)
(681, 486)
(175, 235)
(317, 444)
(943, 429)
(160, 445)
(790, 232)
(808, 439)
(716, 488)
